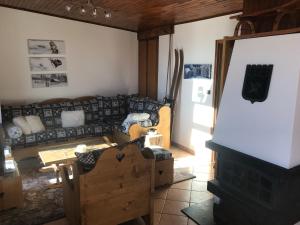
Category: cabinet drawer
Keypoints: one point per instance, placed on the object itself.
(164, 172)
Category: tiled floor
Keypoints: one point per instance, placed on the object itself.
(169, 201)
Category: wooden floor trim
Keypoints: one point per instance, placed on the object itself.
(183, 148)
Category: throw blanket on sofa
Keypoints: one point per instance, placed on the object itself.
(140, 118)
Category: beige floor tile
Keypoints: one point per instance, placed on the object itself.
(173, 220)
(198, 197)
(179, 195)
(157, 217)
(203, 169)
(158, 205)
(175, 207)
(199, 185)
(204, 176)
(160, 193)
(191, 222)
(185, 185)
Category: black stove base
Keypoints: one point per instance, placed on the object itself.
(202, 214)
(252, 191)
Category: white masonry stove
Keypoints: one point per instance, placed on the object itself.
(257, 134)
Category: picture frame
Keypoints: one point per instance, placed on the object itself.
(46, 47)
(196, 71)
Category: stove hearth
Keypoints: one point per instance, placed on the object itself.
(253, 191)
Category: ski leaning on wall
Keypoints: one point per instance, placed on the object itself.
(171, 97)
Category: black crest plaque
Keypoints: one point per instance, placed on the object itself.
(257, 82)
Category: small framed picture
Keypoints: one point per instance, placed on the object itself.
(38, 64)
(46, 47)
(49, 80)
(192, 71)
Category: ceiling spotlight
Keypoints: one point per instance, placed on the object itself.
(82, 10)
(107, 14)
(86, 7)
(94, 13)
(68, 7)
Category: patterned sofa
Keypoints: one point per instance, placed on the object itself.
(102, 115)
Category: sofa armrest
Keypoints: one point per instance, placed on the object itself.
(163, 127)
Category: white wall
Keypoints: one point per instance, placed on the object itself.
(267, 130)
(193, 114)
(100, 60)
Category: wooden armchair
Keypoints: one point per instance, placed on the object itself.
(116, 190)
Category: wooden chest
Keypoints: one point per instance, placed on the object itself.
(164, 172)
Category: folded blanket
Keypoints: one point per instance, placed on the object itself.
(142, 119)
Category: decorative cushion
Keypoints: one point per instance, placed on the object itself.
(72, 118)
(161, 154)
(35, 124)
(21, 122)
(88, 160)
(13, 131)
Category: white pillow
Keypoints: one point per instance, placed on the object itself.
(72, 118)
(35, 124)
(13, 131)
(21, 122)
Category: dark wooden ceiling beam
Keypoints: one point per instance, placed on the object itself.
(155, 32)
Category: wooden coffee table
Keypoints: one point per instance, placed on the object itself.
(64, 154)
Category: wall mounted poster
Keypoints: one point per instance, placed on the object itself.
(49, 80)
(39, 47)
(192, 71)
(47, 64)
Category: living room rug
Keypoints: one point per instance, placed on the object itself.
(181, 174)
(41, 204)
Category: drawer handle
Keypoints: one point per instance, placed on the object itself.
(160, 172)
(1, 194)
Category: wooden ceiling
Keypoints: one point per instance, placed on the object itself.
(135, 15)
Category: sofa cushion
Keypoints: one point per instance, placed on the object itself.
(35, 124)
(113, 107)
(72, 118)
(145, 105)
(61, 134)
(21, 122)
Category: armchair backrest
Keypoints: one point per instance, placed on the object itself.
(116, 190)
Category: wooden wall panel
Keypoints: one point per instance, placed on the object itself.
(152, 76)
(143, 46)
(148, 67)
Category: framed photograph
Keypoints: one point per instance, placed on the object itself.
(38, 64)
(49, 80)
(46, 47)
(192, 71)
